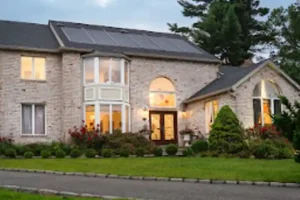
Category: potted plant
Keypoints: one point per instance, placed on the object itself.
(187, 135)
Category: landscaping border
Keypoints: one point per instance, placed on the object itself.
(31, 190)
(166, 179)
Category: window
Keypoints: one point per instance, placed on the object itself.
(33, 119)
(110, 117)
(162, 93)
(265, 102)
(33, 68)
(106, 70)
(211, 112)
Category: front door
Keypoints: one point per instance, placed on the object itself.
(163, 125)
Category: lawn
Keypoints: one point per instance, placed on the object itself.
(204, 168)
(11, 195)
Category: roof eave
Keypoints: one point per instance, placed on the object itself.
(208, 95)
(22, 48)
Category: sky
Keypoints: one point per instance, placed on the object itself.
(140, 14)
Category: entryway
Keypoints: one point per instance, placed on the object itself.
(164, 127)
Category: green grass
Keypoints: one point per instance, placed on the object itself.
(11, 195)
(205, 168)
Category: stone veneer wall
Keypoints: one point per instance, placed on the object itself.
(14, 92)
(244, 103)
(188, 78)
(196, 111)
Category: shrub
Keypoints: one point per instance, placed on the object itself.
(158, 152)
(45, 154)
(199, 146)
(265, 150)
(5, 143)
(90, 153)
(296, 140)
(284, 153)
(128, 147)
(124, 153)
(75, 153)
(262, 132)
(140, 152)
(37, 148)
(297, 157)
(226, 135)
(171, 149)
(21, 149)
(55, 146)
(244, 154)
(10, 153)
(28, 155)
(107, 153)
(60, 154)
(187, 152)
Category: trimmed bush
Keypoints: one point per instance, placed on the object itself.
(106, 153)
(75, 153)
(127, 147)
(297, 157)
(284, 153)
(45, 154)
(28, 155)
(244, 154)
(60, 154)
(187, 152)
(171, 149)
(265, 150)
(37, 148)
(140, 152)
(226, 135)
(21, 149)
(124, 153)
(10, 153)
(199, 146)
(158, 152)
(90, 153)
(296, 140)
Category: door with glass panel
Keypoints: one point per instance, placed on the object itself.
(164, 127)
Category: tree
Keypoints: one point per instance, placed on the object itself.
(227, 134)
(284, 26)
(228, 29)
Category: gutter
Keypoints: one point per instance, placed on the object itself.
(9, 47)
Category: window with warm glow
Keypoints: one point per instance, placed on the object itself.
(33, 68)
(90, 116)
(265, 102)
(162, 93)
(211, 112)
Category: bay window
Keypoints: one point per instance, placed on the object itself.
(265, 102)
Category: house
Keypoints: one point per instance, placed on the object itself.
(56, 75)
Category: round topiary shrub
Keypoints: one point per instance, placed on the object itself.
(187, 152)
(199, 146)
(140, 152)
(90, 153)
(10, 153)
(45, 154)
(28, 155)
(106, 153)
(265, 150)
(60, 154)
(75, 153)
(171, 149)
(124, 152)
(158, 152)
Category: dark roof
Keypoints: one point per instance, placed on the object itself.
(27, 35)
(228, 76)
(128, 41)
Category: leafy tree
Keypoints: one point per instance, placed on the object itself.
(284, 26)
(227, 29)
(226, 135)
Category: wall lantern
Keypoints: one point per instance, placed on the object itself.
(145, 113)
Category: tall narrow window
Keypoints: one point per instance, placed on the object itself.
(127, 117)
(89, 70)
(33, 68)
(90, 116)
(265, 102)
(104, 118)
(104, 65)
(126, 71)
(162, 93)
(117, 117)
(116, 71)
(211, 112)
(33, 119)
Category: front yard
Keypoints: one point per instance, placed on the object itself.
(195, 167)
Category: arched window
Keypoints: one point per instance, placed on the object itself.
(265, 102)
(162, 93)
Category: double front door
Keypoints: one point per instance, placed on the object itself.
(163, 125)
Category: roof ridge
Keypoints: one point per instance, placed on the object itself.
(22, 22)
(115, 27)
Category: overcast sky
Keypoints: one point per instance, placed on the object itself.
(140, 14)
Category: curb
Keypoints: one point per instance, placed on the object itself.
(161, 179)
(46, 192)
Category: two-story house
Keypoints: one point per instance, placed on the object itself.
(56, 75)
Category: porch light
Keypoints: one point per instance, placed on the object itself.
(145, 113)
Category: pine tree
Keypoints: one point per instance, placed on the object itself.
(216, 16)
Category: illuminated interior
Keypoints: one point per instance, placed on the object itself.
(33, 68)
(89, 70)
(104, 119)
(162, 93)
(104, 70)
(117, 117)
(155, 127)
(211, 112)
(26, 68)
(90, 116)
(169, 127)
(39, 68)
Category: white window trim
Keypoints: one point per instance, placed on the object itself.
(33, 119)
(85, 94)
(262, 109)
(33, 69)
(97, 106)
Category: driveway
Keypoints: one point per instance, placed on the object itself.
(147, 189)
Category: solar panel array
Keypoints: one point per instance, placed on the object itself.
(124, 39)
